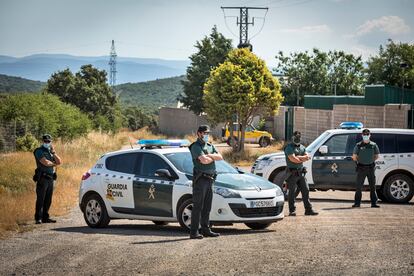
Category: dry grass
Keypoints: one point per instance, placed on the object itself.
(249, 155)
(17, 189)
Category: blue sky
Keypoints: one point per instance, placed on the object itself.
(169, 29)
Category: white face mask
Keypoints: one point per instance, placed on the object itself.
(205, 138)
(365, 138)
(46, 145)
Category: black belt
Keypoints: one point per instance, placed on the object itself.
(365, 165)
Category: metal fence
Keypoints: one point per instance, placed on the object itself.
(10, 131)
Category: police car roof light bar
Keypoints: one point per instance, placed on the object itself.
(158, 143)
(351, 125)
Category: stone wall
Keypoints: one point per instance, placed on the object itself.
(180, 122)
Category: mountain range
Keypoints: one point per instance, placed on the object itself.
(39, 67)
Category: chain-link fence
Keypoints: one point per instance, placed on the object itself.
(10, 131)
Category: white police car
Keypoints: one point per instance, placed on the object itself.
(331, 165)
(154, 183)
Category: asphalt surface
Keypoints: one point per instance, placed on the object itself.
(340, 240)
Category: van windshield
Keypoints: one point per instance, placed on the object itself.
(317, 141)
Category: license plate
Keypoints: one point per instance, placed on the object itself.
(261, 203)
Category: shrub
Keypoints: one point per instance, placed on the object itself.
(26, 143)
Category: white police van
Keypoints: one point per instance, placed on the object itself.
(155, 183)
(331, 165)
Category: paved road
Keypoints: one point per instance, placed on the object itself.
(340, 240)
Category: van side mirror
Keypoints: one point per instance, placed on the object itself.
(323, 149)
(164, 173)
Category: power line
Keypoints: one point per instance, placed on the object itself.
(244, 23)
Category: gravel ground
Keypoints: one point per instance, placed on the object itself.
(340, 240)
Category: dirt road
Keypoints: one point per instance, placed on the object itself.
(340, 240)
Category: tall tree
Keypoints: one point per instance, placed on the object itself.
(393, 65)
(89, 91)
(240, 87)
(319, 73)
(212, 51)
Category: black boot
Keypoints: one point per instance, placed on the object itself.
(311, 212)
(208, 233)
(195, 235)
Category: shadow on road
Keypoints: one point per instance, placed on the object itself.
(351, 201)
(152, 230)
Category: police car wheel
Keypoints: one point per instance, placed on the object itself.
(184, 214)
(95, 213)
(399, 188)
(258, 225)
(264, 142)
(160, 223)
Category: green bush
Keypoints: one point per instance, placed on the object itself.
(26, 143)
(42, 113)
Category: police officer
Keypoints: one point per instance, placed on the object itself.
(296, 155)
(46, 160)
(204, 155)
(365, 153)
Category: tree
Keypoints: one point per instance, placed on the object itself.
(89, 91)
(38, 113)
(393, 65)
(212, 51)
(240, 87)
(319, 73)
(135, 118)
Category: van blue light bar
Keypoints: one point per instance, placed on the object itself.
(351, 125)
(163, 143)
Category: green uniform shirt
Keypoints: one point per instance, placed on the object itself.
(199, 148)
(296, 150)
(39, 154)
(366, 152)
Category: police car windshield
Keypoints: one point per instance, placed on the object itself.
(317, 142)
(184, 163)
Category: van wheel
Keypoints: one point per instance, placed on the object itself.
(184, 214)
(399, 188)
(160, 223)
(258, 225)
(229, 141)
(264, 142)
(279, 180)
(95, 213)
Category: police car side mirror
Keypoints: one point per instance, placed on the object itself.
(323, 149)
(164, 173)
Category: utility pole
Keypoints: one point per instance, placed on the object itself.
(112, 65)
(243, 22)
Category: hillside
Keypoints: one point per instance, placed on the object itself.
(16, 84)
(151, 95)
(41, 66)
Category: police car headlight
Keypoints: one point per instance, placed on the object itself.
(226, 192)
(279, 191)
(261, 164)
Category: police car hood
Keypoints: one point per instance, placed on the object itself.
(275, 155)
(242, 181)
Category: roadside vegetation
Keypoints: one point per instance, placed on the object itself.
(18, 191)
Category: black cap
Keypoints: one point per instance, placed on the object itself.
(366, 131)
(203, 128)
(47, 137)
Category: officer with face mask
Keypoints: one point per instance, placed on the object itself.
(296, 155)
(45, 175)
(365, 153)
(204, 155)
